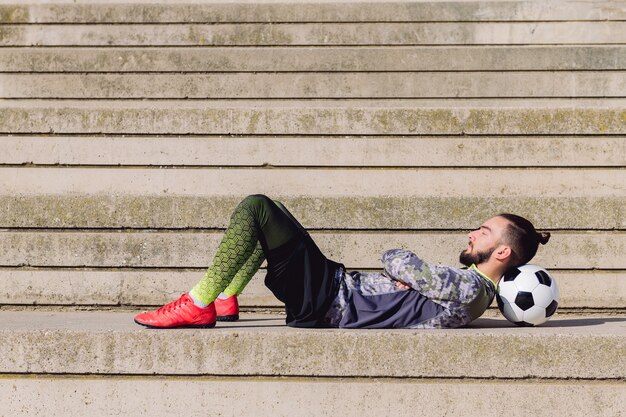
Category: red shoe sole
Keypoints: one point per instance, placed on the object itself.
(232, 317)
(186, 326)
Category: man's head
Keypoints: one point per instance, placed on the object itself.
(505, 241)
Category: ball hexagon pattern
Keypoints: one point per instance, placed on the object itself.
(527, 295)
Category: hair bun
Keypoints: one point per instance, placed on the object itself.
(543, 237)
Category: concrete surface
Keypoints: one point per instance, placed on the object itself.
(87, 287)
(81, 363)
(470, 33)
(355, 212)
(348, 151)
(331, 59)
(317, 117)
(147, 11)
(110, 343)
(436, 182)
(566, 250)
(315, 85)
(305, 397)
(319, 198)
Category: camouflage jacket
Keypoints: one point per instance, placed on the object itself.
(439, 296)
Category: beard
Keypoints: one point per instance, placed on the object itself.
(467, 258)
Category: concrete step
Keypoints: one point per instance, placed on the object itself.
(277, 396)
(566, 250)
(203, 11)
(111, 343)
(326, 59)
(91, 356)
(63, 287)
(321, 198)
(255, 34)
(317, 117)
(316, 85)
(313, 151)
(98, 343)
(347, 212)
(338, 183)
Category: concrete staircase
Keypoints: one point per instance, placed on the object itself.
(130, 130)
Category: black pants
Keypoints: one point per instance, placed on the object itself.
(298, 274)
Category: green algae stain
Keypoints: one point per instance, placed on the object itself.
(384, 121)
(14, 14)
(10, 36)
(478, 121)
(306, 122)
(253, 122)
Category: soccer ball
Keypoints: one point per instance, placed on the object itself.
(527, 295)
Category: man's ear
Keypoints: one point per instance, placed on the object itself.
(502, 253)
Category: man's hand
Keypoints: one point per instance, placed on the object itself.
(402, 285)
(399, 284)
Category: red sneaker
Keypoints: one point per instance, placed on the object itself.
(180, 313)
(227, 309)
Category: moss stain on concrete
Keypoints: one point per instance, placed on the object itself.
(352, 212)
(14, 14)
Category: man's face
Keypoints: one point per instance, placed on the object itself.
(483, 241)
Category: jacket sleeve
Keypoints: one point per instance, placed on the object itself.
(439, 283)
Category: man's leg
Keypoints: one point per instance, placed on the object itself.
(256, 222)
(227, 303)
(298, 273)
(246, 272)
(249, 268)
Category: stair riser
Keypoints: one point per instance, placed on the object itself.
(315, 118)
(66, 287)
(355, 250)
(371, 151)
(157, 396)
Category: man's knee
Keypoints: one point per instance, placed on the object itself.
(254, 201)
(280, 205)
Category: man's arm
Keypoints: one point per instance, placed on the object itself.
(439, 283)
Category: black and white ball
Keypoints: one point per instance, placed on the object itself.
(527, 295)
